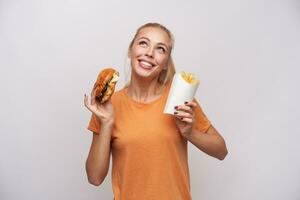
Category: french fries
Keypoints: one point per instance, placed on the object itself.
(189, 77)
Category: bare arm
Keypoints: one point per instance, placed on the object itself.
(97, 163)
(211, 142)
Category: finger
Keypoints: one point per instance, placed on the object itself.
(93, 97)
(191, 104)
(184, 108)
(86, 103)
(181, 114)
(94, 86)
(187, 120)
(85, 100)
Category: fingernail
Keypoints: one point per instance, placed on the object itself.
(175, 113)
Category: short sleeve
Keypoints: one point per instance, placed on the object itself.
(94, 124)
(202, 123)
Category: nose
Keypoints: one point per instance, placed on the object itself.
(150, 51)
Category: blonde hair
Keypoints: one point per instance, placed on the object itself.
(166, 75)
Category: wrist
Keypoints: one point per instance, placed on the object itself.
(187, 135)
(106, 121)
(108, 124)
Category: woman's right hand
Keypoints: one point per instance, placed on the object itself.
(104, 112)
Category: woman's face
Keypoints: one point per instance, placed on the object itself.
(150, 52)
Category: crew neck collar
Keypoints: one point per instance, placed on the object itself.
(162, 95)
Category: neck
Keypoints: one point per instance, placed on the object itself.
(144, 91)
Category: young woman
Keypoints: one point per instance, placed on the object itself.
(148, 148)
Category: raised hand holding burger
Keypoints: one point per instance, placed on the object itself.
(103, 89)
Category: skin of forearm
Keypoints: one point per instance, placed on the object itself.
(97, 163)
(212, 145)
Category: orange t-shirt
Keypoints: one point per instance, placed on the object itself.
(149, 156)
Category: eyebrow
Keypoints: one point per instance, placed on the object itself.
(160, 43)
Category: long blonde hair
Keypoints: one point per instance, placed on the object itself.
(166, 75)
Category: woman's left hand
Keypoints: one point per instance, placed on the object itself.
(185, 116)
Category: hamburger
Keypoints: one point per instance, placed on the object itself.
(105, 84)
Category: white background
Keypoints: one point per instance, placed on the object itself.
(246, 54)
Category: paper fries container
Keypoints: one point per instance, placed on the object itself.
(180, 92)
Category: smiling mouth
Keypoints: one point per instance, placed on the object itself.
(146, 65)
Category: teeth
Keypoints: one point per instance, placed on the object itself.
(146, 63)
